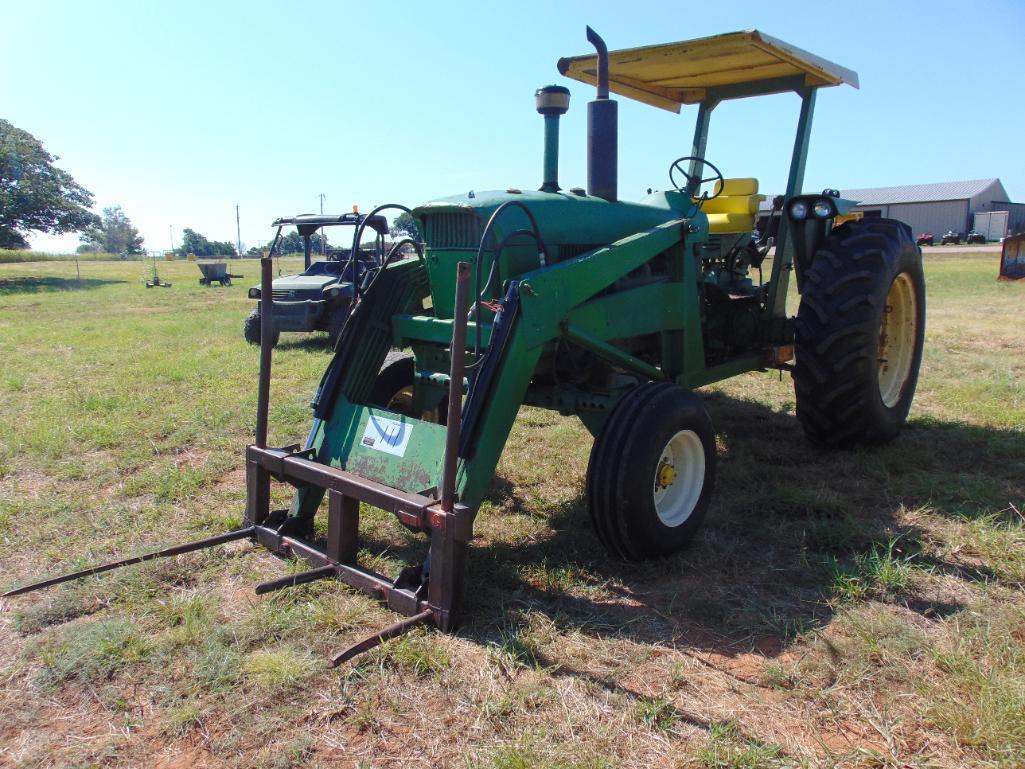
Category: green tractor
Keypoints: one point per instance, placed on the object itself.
(614, 311)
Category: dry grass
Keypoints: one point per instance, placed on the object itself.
(859, 609)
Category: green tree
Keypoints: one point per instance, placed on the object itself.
(292, 243)
(194, 243)
(35, 195)
(113, 234)
(405, 224)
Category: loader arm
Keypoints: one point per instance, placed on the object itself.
(548, 296)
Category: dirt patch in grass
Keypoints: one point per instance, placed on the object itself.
(27, 483)
(233, 479)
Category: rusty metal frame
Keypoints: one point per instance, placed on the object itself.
(448, 524)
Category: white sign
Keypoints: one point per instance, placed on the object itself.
(388, 435)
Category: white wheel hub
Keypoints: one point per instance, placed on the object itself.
(897, 335)
(679, 478)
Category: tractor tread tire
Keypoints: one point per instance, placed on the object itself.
(837, 333)
(613, 475)
(397, 371)
(600, 470)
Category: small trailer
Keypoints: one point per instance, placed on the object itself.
(215, 272)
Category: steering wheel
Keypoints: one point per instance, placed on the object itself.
(694, 180)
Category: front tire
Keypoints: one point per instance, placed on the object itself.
(860, 334)
(393, 388)
(651, 472)
(335, 323)
(251, 329)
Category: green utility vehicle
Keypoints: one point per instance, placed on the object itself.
(617, 312)
(318, 298)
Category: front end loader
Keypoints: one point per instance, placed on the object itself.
(613, 311)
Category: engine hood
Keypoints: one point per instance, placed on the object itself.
(304, 282)
(562, 217)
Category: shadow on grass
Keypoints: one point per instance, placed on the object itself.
(785, 521)
(763, 571)
(788, 521)
(33, 284)
(313, 342)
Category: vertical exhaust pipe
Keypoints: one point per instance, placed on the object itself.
(602, 130)
(552, 102)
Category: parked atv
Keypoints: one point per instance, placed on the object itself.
(318, 298)
(927, 239)
(975, 237)
(951, 238)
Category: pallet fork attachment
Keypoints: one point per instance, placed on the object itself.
(167, 552)
(427, 595)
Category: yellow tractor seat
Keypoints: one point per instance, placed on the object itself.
(736, 207)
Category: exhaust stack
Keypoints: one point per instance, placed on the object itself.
(602, 130)
(552, 101)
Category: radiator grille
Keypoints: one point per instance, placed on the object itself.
(453, 230)
(296, 295)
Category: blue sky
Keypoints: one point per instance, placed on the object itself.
(178, 111)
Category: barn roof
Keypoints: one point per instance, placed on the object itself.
(919, 193)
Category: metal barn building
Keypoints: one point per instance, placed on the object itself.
(936, 208)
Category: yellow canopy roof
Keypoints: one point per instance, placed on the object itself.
(672, 74)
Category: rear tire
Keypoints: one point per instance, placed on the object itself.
(860, 333)
(251, 329)
(651, 472)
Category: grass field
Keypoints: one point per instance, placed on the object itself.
(10, 256)
(855, 609)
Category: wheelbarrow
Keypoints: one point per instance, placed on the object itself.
(215, 272)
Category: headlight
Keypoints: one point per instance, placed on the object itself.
(254, 293)
(822, 209)
(798, 210)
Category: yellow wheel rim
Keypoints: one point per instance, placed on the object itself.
(402, 401)
(897, 335)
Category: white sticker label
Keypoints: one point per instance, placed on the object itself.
(388, 435)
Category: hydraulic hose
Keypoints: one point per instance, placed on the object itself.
(393, 253)
(496, 270)
(358, 236)
(535, 232)
(417, 246)
(395, 249)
